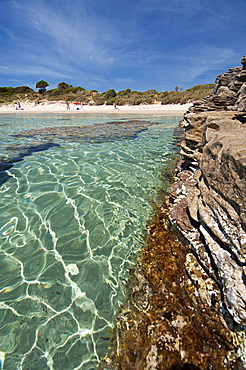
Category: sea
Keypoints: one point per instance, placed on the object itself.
(76, 194)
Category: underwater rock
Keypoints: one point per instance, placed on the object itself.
(118, 130)
(17, 152)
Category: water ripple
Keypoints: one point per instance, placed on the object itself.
(73, 220)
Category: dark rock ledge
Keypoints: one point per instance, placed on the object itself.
(186, 301)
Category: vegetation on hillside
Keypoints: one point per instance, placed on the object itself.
(11, 94)
(68, 93)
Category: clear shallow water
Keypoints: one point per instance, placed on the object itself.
(73, 220)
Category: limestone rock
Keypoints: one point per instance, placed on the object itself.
(215, 200)
(241, 101)
(229, 92)
(186, 306)
(243, 61)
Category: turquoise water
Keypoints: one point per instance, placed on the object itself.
(76, 194)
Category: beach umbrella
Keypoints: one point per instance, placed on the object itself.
(77, 105)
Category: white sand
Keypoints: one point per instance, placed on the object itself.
(60, 107)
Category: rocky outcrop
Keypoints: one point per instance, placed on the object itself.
(209, 196)
(186, 299)
(229, 93)
(172, 317)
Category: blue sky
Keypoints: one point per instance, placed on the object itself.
(137, 44)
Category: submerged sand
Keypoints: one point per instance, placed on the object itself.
(60, 107)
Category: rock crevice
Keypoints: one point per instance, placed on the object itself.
(186, 298)
(211, 187)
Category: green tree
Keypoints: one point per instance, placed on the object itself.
(41, 86)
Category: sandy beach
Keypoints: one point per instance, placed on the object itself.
(61, 108)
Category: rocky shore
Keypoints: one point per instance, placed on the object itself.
(186, 303)
(209, 197)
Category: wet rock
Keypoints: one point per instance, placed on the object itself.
(172, 318)
(179, 213)
(117, 130)
(16, 153)
(186, 302)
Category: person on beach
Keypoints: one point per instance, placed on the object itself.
(16, 106)
(116, 107)
(68, 106)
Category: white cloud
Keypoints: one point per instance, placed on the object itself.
(30, 70)
(152, 41)
(200, 60)
(78, 38)
(9, 33)
(182, 7)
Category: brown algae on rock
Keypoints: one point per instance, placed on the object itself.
(172, 317)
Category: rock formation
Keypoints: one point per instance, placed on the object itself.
(229, 93)
(211, 186)
(186, 302)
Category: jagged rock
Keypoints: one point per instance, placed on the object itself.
(241, 101)
(172, 317)
(218, 200)
(215, 201)
(229, 94)
(243, 61)
(179, 213)
(186, 303)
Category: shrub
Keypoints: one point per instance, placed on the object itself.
(111, 101)
(201, 87)
(151, 91)
(22, 90)
(124, 92)
(7, 90)
(63, 86)
(109, 97)
(110, 93)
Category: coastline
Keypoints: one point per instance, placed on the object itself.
(185, 306)
(60, 108)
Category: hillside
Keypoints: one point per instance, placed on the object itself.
(109, 97)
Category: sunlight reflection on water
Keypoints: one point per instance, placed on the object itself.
(73, 220)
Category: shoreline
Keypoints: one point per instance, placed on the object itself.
(60, 108)
(186, 305)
